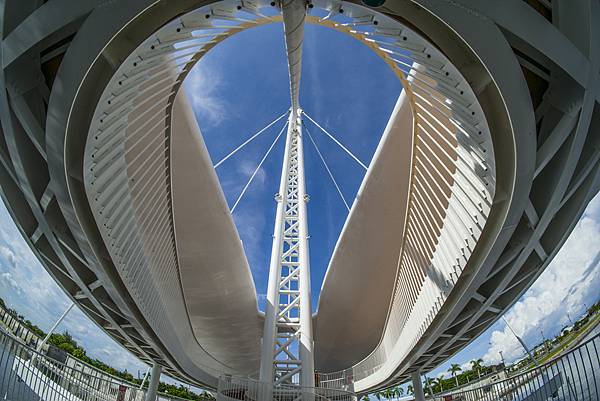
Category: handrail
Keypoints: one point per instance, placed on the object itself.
(574, 375)
(32, 340)
(232, 388)
(26, 374)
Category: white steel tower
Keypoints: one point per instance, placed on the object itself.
(287, 349)
(287, 340)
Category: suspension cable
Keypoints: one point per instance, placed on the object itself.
(336, 141)
(327, 168)
(258, 168)
(250, 139)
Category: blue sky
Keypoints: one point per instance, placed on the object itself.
(240, 87)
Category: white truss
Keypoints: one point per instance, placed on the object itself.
(287, 342)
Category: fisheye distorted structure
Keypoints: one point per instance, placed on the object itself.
(488, 159)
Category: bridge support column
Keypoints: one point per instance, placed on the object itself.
(154, 380)
(417, 385)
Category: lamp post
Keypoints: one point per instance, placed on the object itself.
(60, 319)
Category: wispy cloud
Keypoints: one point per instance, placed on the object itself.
(571, 279)
(203, 85)
(10, 281)
(246, 168)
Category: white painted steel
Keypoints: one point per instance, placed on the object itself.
(153, 70)
(375, 226)
(152, 391)
(54, 326)
(287, 348)
(307, 376)
(529, 67)
(236, 388)
(417, 386)
(451, 188)
(294, 14)
(270, 330)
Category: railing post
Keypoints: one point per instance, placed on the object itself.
(154, 380)
(417, 385)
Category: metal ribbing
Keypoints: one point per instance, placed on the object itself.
(128, 180)
(451, 190)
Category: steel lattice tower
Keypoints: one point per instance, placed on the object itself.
(287, 349)
(287, 356)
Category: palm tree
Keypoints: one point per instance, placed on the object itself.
(366, 397)
(399, 392)
(440, 382)
(477, 364)
(428, 383)
(455, 368)
(378, 395)
(388, 393)
(410, 389)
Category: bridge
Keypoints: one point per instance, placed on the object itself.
(487, 161)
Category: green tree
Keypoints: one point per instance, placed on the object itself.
(409, 389)
(428, 383)
(440, 382)
(79, 353)
(454, 369)
(67, 347)
(476, 365)
(34, 329)
(365, 397)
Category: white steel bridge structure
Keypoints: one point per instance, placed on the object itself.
(489, 158)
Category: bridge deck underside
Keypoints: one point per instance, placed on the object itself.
(544, 64)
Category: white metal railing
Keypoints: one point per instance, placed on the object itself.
(573, 376)
(26, 375)
(27, 337)
(236, 388)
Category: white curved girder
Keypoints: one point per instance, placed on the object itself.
(357, 284)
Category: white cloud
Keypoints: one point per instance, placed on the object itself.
(28, 288)
(570, 280)
(8, 255)
(246, 168)
(6, 277)
(202, 87)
